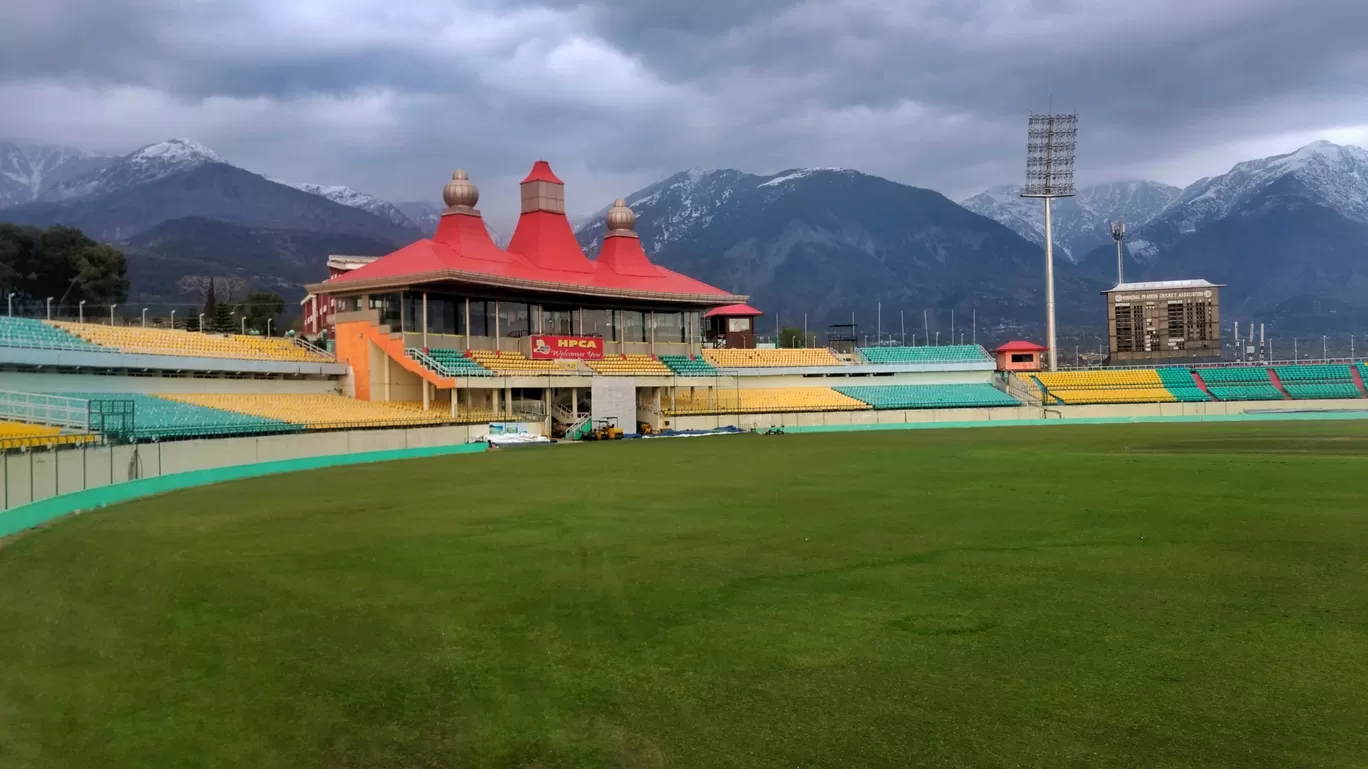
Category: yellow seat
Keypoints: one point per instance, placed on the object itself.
(724, 400)
(15, 435)
(321, 411)
(1119, 386)
(158, 341)
(629, 365)
(783, 358)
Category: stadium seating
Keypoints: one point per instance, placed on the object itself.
(28, 332)
(17, 435)
(163, 417)
(1309, 381)
(629, 365)
(725, 400)
(517, 364)
(1240, 383)
(1178, 380)
(1107, 386)
(784, 358)
(684, 365)
(155, 341)
(954, 353)
(317, 412)
(456, 363)
(945, 396)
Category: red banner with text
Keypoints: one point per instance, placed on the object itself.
(571, 347)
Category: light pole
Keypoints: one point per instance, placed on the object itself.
(244, 325)
(1325, 348)
(49, 308)
(938, 339)
(1296, 354)
(80, 311)
(144, 317)
(111, 313)
(201, 324)
(268, 328)
(11, 304)
(173, 320)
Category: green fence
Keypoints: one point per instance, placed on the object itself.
(37, 513)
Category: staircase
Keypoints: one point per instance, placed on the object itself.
(1358, 378)
(1202, 385)
(577, 430)
(393, 345)
(1277, 383)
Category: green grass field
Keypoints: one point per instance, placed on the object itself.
(1138, 596)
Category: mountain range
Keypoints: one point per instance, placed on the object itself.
(1286, 234)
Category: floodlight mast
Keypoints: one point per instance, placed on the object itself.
(1051, 145)
(1118, 233)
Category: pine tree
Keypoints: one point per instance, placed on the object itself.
(210, 305)
(223, 319)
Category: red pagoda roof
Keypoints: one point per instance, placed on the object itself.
(542, 255)
(541, 172)
(733, 311)
(1021, 345)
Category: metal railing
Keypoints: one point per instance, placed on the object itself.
(54, 410)
(312, 348)
(29, 343)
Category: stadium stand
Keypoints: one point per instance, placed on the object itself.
(1117, 386)
(153, 341)
(456, 363)
(28, 332)
(1318, 380)
(517, 364)
(955, 353)
(18, 435)
(784, 358)
(317, 412)
(763, 400)
(161, 418)
(629, 365)
(684, 365)
(1240, 383)
(945, 396)
(1178, 381)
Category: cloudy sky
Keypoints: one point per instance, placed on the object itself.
(390, 97)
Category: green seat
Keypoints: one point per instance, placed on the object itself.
(1319, 390)
(1314, 372)
(930, 396)
(684, 365)
(951, 353)
(1245, 392)
(33, 333)
(1178, 380)
(1235, 375)
(161, 419)
(455, 363)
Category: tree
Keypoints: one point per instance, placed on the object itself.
(60, 262)
(791, 336)
(224, 321)
(261, 306)
(210, 301)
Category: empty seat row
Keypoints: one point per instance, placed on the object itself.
(157, 341)
(952, 353)
(1090, 380)
(1314, 372)
(517, 364)
(456, 363)
(1178, 381)
(629, 365)
(1234, 375)
(931, 396)
(154, 417)
(32, 333)
(1320, 390)
(687, 365)
(781, 358)
(317, 411)
(725, 400)
(22, 435)
(1245, 392)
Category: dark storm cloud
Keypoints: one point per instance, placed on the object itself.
(387, 96)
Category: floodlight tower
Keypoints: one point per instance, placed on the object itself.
(1118, 233)
(1052, 141)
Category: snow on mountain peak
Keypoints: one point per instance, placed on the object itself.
(346, 196)
(175, 151)
(797, 173)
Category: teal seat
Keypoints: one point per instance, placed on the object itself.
(33, 333)
(1320, 390)
(1314, 372)
(1235, 375)
(455, 363)
(951, 353)
(1245, 392)
(161, 419)
(930, 396)
(1178, 380)
(683, 365)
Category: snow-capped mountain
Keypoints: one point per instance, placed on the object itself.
(672, 209)
(352, 199)
(1326, 174)
(148, 164)
(1079, 223)
(422, 214)
(825, 242)
(28, 170)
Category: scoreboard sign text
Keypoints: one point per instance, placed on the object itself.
(546, 347)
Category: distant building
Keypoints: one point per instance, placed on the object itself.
(1164, 320)
(317, 309)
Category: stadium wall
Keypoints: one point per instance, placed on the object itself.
(891, 417)
(60, 383)
(31, 477)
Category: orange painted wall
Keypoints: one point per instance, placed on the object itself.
(1004, 363)
(353, 349)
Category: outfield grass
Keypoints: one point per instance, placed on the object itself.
(1138, 596)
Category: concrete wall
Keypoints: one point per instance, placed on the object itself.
(31, 476)
(615, 397)
(60, 383)
(1011, 414)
